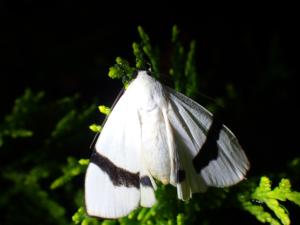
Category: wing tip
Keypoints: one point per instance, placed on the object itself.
(118, 197)
(240, 175)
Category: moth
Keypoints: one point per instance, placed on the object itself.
(156, 133)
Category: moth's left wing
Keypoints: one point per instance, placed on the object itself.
(208, 152)
(116, 182)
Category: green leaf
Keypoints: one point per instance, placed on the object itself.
(140, 62)
(95, 128)
(28, 184)
(80, 217)
(150, 52)
(15, 124)
(83, 162)
(183, 66)
(71, 170)
(264, 194)
(104, 109)
(20, 133)
(190, 72)
(121, 70)
(71, 120)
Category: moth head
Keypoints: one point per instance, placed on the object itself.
(147, 70)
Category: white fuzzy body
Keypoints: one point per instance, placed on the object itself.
(150, 103)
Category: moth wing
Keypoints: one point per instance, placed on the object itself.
(103, 199)
(112, 182)
(208, 151)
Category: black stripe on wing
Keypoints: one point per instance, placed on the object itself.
(209, 150)
(117, 175)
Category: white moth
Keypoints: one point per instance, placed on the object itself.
(154, 132)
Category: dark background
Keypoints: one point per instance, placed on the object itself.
(67, 48)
